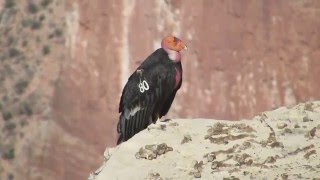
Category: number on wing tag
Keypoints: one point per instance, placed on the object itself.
(143, 86)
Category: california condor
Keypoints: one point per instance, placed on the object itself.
(150, 90)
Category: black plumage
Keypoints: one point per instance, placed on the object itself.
(149, 93)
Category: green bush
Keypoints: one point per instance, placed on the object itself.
(5, 98)
(58, 32)
(10, 40)
(10, 126)
(25, 109)
(38, 39)
(36, 24)
(42, 17)
(33, 8)
(23, 123)
(26, 22)
(10, 176)
(45, 3)
(46, 50)
(7, 115)
(13, 52)
(21, 86)
(8, 154)
(9, 3)
(24, 43)
(8, 70)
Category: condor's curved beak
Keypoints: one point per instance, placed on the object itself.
(185, 47)
(182, 46)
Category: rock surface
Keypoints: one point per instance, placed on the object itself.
(258, 148)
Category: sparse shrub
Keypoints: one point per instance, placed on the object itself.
(25, 109)
(58, 32)
(8, 154)
(10, 126)
(36, 24)
(24, 43)
(21, 86)
(9, 3)
(7, 30)
(33, 8)
(50, 10)
(23, 123)
(7, 69)
(13, 52)
(2, 78)
(42, 17)
(45, 3)
(26, 22)
(12, 11)
(5, 98)
(3, 57)
(7, 115)
(10, 41)
(21, 58)
(50, 36)
(46, 50)
(38, 39)
(10, 176)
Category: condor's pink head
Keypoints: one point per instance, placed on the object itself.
(173, 46)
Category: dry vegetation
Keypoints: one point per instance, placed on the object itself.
(29, 31)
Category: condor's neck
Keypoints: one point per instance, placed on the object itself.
(173, 55)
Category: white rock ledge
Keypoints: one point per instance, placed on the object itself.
(283, 144)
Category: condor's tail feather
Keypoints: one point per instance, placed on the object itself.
(120, 139)
(120, 124)
(133, 121)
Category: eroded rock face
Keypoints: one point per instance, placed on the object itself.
(254, 148)
(243, 58)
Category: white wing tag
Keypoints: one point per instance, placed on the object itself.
(143, 86)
